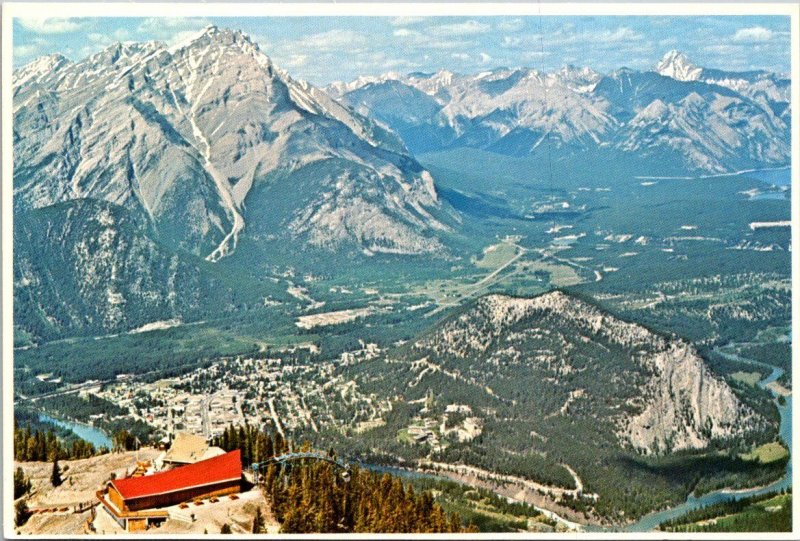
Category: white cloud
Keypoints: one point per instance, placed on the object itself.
(331, 40)
(485, 58)
(163, 24)
(30, 49)
(26, 51)
(414, 39)
(50, 26)
(620, 38)
(723, 49)
(513, 25)
(467, 28)
(622, 33)
(295, 61)
(753, 34)
(398, 63)
(513, 42)
(121, 34)
(460, 56)
(537, 55)
(171, 30)
(406, 21)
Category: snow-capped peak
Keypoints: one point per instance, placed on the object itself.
(581, 80)
(38, 68)
(676, 65)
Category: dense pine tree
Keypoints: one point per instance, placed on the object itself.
(36, 445)
(21, 483)
(312, 496)
(21, 513)
(55, 477)
(258, 522)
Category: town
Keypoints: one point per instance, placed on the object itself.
(275, 393)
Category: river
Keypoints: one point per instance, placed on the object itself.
(93, 435)
(651, 521)
(646, 523)
(417, 474)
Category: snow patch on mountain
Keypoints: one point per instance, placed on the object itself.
(703, 119)
(676, 65)
(206, 122)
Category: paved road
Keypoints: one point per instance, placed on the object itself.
(482, 284)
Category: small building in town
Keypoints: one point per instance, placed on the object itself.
(137, 502)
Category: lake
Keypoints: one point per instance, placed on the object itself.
(777, 177)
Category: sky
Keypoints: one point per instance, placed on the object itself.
(325, 49)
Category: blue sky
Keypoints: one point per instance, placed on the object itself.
(323, 49)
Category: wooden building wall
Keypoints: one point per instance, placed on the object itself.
(137, 524)
(116, 498)
(173, 498)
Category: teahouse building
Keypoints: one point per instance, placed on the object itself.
(137, 502)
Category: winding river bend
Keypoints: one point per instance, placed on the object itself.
(651, 521)
(646, 523)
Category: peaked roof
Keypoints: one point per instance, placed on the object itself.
(186, 448)
(227, 467)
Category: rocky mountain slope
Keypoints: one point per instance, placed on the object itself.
(556, 356)
(90, 267)
(682, 115)
(196, 138)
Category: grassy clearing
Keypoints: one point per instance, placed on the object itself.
(496, 256)
(560, 275)
(749, 378)
(767, 453)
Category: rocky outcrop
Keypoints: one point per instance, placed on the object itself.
(684, 406)
(662, 396)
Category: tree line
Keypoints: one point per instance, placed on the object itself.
(43, 445)
(311, 496)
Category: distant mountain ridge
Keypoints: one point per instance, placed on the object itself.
(684, 115)
(133, 163)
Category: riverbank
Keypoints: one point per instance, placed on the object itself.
(85, 431)
(565, 516)
(651, 521)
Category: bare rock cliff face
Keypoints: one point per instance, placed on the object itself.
(684, 405)
(666, 399)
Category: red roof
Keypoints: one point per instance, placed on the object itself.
(227, 467)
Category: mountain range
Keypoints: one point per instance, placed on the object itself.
(206, 149)
(678, 115)
(200, 183)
